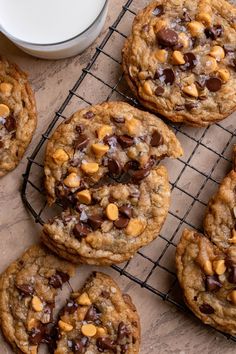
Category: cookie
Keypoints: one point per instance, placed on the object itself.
(17, 115)
(112, 140)
(180, 60)
(27, 297)
(220, 218)
(207, 277)
(98, 318)
(110, 223)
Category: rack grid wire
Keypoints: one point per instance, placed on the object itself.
(193, 178)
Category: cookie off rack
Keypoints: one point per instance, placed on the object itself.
(194, 177)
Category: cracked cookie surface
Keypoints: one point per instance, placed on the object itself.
(113, 223)
(27, 297)
(220, 218)
(98, 318)
(180, 59)
(207, 277)
(17, 115)
(112, 140)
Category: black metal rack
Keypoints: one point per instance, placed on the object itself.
(107, 83)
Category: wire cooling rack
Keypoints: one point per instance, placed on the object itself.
(194, 178)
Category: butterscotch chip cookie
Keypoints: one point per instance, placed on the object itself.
(119, 220)
(208, 279)
(98, 318)
(180, 59)
(112, 141)
(17, 115)
(27, 297)
(220, 218)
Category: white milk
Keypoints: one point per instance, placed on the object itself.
(39, 26)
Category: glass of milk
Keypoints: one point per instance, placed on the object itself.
(52, 29)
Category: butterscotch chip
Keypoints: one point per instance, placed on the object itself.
(65, 327)
(37, 304)
(112, 212)
(197, 39)
(100, 149)
(4, 111)
(89, 167)
(219, 266)
(84, 300)
(224, 74)
(232, 297)
(60, 156)
(208, 267)
(104, 131)
(89, 330)
(191, 90)
(134, 228)
(84, 196)
(72, 180)
(133, 126)
(6, 88)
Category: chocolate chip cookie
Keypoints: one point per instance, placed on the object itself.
(208, 280)
(17, 115)
(220, 218)
(27, 296)
(98, 318)
(110, 223)
(180, 59)
(112, 140)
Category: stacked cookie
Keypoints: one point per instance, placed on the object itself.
(101, 165)
(17, 115)
(180, 59)
(206, 265)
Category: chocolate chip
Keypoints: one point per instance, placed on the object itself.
(232, 274)
(126, 211)
(111, 140)
(121, 222)
(159, 91)
(214, 32)
(10, 123)
(145, 28)
(122, 333)
(95, 221)
(93, 314)
(212, 283)
(140, 174)
(206, 308)
(131, 166)
(79, 128)
(25, 289)
(190, 106)
(229, 49)
(70, 307)
(118, 120)
(213, 84)
(190, 61)
(105, 294)
(36, 335)
(124, 348)
(114, 167)
(105, 343)
(186, 17)
(125, 141)
(89, 115)
(81, 142)
(156, 139)
(169, 76)
(151, 162)
(167, 37)
(179, 107)
(80, 230)
(158, 11)
(58, 279)
(79, 345)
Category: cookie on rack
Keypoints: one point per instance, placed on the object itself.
(17, 115)
(207, 277)
(220, 218)
(113, 140)
(27, 297)
(110, 223)
(98, 318)
(180, 61)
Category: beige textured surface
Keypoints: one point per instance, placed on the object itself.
(164, 329)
